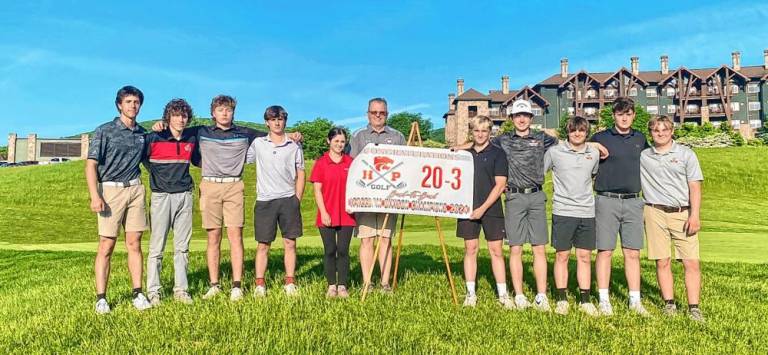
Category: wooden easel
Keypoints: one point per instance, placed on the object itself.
(414, 138)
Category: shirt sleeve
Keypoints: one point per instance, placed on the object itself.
(97, 145)
(250, 156)
(496, 141)
(354, 146)
(299, 158)
(547, 160)
(596, 162)
(692, 167)
(501, 166)
(549, 140)
(253, 134)
(317, 172)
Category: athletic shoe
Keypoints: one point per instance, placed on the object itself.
(506, 302)
(562, 307)
(102, 307)
(154, 298)
(605, 308)
(332, 292)
(521, 302)
(370, 288)
(669, 309)
(342, 292)
(470, 300)
(141, 303)
(541, 303)
(291, 289)
(638, 308)
(589, 309)
(386, 289)
(182, 297)
(260, 291)
(235, 294)
(696, 315)
(212, 292)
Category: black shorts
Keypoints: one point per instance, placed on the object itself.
(267, 215)
(493, 228)
(569, 232)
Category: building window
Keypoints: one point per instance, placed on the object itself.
(53, 150)
(734, 89)
(591, 93)
(610, 93)
(472, 111)
(692, 108)
(755, 123)
(670, 92)
(715, 108)
(571, 111)
(754, 106)
(735, 124)
(536, 111)
(671, 108)
(735, 106)
(654, 110)
(569, 94)
(753, 88)
(590, 111)
(650, 92)
(632, 91)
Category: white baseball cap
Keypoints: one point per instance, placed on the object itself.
(521, 106)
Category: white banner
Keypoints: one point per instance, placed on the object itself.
(411, 180)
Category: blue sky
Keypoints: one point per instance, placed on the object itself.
(61, 62)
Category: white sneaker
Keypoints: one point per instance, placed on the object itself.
(589, 309)
(154, 298)
(212, 292)
(235, 294)
(140, 302)
(562, 307)
(638, 308)
(521, 302)
(260, 291)
(506, 302)
(291, 290)
(470, 300)
(102, 307)
(605, 307)
(541, 303)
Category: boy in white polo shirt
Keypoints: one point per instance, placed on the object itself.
(573, 164)
(280, 186)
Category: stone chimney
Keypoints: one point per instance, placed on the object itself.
(459, 87)
(11, 148)
(635, 65)
(32, 147)
(665, 64)
(564, 68)
(765, 59)
(84, 144)
(505, 84)
(736, 60)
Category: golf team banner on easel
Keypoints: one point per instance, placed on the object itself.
(411, 180)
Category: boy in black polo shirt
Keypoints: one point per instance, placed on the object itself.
(490, 180)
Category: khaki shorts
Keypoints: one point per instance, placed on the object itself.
(221, 202)
(124, 206)
(369, 224)
(661, 228)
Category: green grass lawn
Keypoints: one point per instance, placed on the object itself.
(48, 239)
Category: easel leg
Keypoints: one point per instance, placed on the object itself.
(397, 254)
(375, 257)
(447, 264)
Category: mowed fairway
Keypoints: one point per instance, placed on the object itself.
(47, 243)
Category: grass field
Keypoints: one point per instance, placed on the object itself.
(47, 243)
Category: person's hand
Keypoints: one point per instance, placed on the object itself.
(602, 149)
(97, 204)
(325, 218)
(296, 136)
(477, 214)
(159, 126)
(692, 225)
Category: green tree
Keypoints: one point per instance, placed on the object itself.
(438, 135)
(4, 153)
(639, 124)
(314, 135)
(401, 121)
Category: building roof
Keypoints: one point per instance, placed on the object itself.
(531, 94)
(472, 95)
(755, 72)
(498, 96)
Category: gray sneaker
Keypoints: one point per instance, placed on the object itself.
(140, 302)
(102, 307)
(212, 292)
(342, 292)
(696, 315)
(182, 297)
(154, 298)
(638, 308)
(669, 309)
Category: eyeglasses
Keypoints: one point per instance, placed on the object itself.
(378, 113)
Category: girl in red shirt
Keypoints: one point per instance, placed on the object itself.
(329, 176)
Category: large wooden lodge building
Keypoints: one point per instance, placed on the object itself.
(736, 94)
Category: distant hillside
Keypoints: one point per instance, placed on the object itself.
(197, 121)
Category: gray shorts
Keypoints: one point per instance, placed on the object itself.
(526, 218)
(624, 217)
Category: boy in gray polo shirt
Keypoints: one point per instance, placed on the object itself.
(280, 186)
(671, 179)
(573, 164)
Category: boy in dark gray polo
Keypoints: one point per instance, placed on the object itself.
(280, 186)
(117, 195)
(573, 163)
